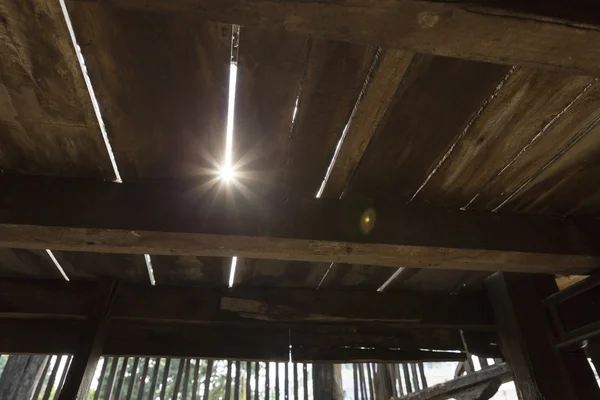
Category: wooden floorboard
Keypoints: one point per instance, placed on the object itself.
(47, 123)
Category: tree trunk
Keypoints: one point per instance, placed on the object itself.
(21, 376)
(327, 382)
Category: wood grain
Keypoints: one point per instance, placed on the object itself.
(97, 217)
(518, 115)
(161, 82)
(47, 123)
(518, 34)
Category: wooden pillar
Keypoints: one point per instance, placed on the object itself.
(20, 376)
(85, 360)
(527, 341)
(327, 382)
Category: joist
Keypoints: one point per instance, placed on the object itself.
(533, 33)
(71, 215)
(41, 299)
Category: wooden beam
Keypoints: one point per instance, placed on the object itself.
(535, 34)
(121, 218)
(343, 355)
(90, 344)
(455, 387)
(527, 341)
(20, 298)
(146, 339)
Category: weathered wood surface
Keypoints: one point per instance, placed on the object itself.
(163, 303)
(47, 123)
(533, 34)
(98, 217)
(343, 355)
(456, 387)
(527, 341)
(20, 263)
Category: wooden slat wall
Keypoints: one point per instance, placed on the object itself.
(91, 266)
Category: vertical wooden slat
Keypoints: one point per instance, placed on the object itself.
(305, 376)
(267, 388)
(355, 375)
(178, 376)
(483, 362)
(52, 378)
(370, 380)
(165, 378)
(143, 378)
(287, 381)
(209, 367)
(63, 376)
(121, 377)
(132, 380)
(256, 375)
(415, 377)
(110, 381)
(296, 397)
(196, 379)
(228, 381)
(407, 382)
(186, 378)
(391, 371)
(363, 384)
(276, 381)
(40, 385)
(248, 380)
(155, 370)
(423, 377)
(236, 385)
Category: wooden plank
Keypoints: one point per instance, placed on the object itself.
(386, 74)
(47, 123)
(286, 381)
(186, 378)
(455, 387)
(74, 300)
(51, 378)
(276, 381)
(20, 263)
(520, 114)
(145, 377)
(228, 381)
(177, 386)
(209, 368)
(63, 375)
(295, 365)
(248, 380)
(236, 383)
(154, 121)
(132, 377)
(108, 391)
(310, 229)
(94, 266)
(190, 270)
(41, 379)
(165, 378)
(155, 370)
(459, 29)
(341, 355)
(408, 143)
(527, 341)
(293, 274)
(121, 376)
(333, 81)
(90, 343)
(256, 379)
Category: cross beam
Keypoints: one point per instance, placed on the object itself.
(71, 215)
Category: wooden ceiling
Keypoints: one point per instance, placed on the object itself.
(444, 107)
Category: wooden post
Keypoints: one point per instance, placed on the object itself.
(155, 370)
(540, 370)
(236, 385)
(21, 375)
(383, 382)
(209, 367)
(83, 366)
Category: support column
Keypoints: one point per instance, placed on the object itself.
(89, 350)
(20, 376)
(541, 371)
